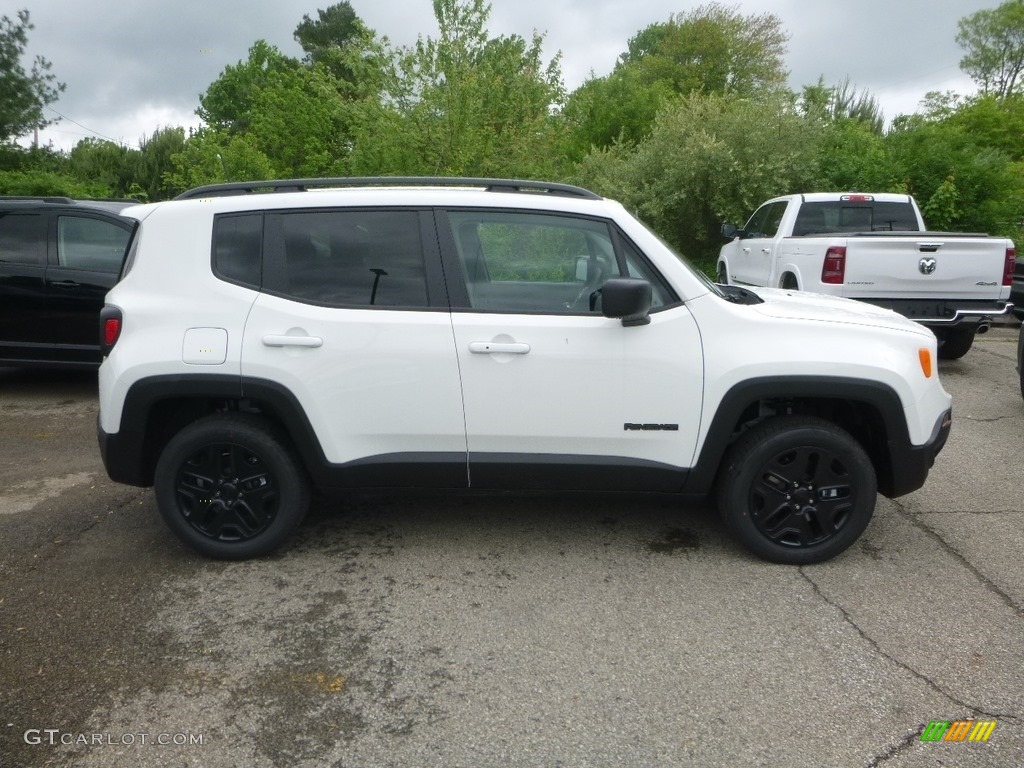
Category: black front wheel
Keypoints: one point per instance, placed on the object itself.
(797, 490)
(230, 488)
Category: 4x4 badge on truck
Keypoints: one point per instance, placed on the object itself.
(927, 266)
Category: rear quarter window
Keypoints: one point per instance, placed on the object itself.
(238, 248)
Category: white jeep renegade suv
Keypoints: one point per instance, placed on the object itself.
(271, 337)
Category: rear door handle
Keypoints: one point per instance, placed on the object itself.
(766, 250)
(492, 347)
(292, 341)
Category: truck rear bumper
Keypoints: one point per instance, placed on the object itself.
(945, 313)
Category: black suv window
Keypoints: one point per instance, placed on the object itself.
(352, 258)
(90, 244)
(22, 238)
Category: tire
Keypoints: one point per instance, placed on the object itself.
(955, 343)
(722, 274)
(220, 510)
(773, 485)
(1020, 359)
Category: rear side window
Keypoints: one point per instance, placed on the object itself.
(353, 258)
(93, 245)
(238, 248)
(855, 216)
(22, 239)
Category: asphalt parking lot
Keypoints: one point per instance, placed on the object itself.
(507, 630)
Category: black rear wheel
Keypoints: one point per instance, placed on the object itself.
(230, 488)
(797, 490)
(955, 343)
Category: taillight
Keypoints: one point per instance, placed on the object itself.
(1011, 256)
(110, 328)
(833, 269)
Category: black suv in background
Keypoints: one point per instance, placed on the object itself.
(58, 259)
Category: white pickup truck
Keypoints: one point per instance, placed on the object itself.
(874, 247)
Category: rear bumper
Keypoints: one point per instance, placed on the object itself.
(945, 313)
(911, 463)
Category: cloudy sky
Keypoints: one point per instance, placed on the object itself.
(131, 67)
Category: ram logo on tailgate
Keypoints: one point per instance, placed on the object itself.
(927, 266)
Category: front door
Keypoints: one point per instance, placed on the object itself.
(557, 395)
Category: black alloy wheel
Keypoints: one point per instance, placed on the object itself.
(797, 490)
(230, 488)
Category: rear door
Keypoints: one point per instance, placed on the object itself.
(23, 326)
(85, 257)
(353, 321)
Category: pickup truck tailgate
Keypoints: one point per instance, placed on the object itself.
(924, 265)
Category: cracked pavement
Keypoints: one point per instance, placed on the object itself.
(427, 630)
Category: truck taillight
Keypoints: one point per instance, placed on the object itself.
(833, 270)
(1011, 256)
(110, 328)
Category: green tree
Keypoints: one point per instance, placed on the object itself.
(22, 94)
(327, 38)
(288, 112)
(994, 43)
(709, 158)
(155, 163)
(229, 102)
(712, 49)
(212, 156)
(462, 104)
(99, 160)
(970, 186)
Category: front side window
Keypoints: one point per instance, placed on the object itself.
(93, 245)
(531, 262)
(353, 258)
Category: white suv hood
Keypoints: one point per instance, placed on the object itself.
(787, 304)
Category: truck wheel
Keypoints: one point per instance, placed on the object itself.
(797, 490)
(722, 277)
(955, 343)
(230, 487)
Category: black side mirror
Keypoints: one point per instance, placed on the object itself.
(627, 298)
(729, 231)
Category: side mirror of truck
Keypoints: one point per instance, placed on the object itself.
(627, 298)
(729, 231)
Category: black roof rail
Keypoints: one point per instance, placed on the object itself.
(37, 199)
(302, 185)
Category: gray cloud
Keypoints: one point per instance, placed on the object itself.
(131, 67)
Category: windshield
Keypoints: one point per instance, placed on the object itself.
(707, 281)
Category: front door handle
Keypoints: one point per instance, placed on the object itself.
(494, 347)
(292, 341)
(746, 250)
